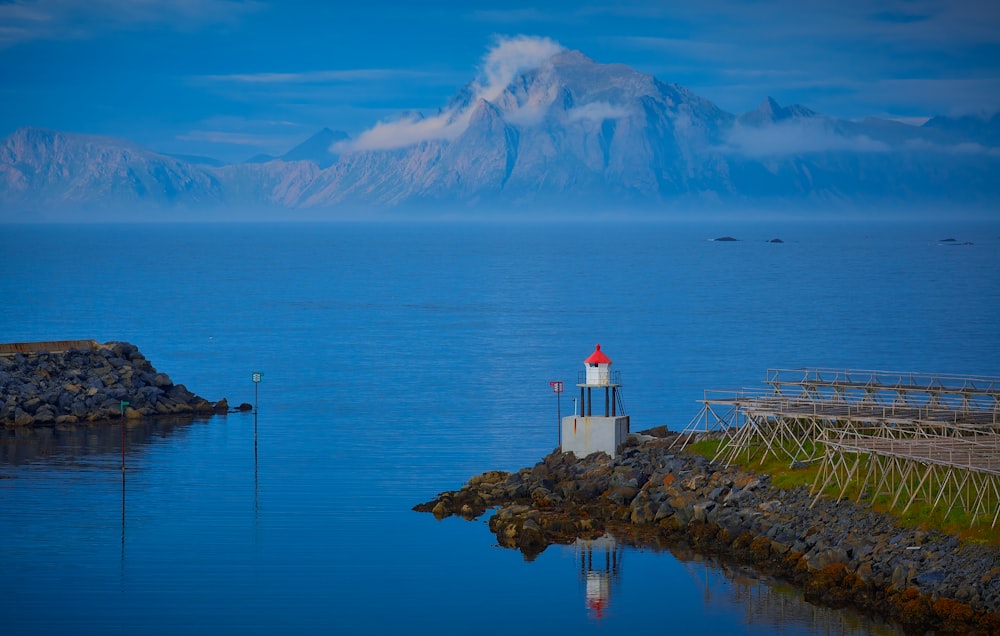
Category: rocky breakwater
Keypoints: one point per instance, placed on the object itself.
(840, 554)
(86, 385)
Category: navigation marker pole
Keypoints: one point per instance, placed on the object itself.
(557, 388)
(257, 375)
(123, 405)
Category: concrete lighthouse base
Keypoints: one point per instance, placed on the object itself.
(585, 435)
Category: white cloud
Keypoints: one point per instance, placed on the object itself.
(910, 121)
(513, 16)
(973, 148)
(28, 20)
(258, 135)
(848, 59)
(531, 112)
(596, 111)
(502, 63)
(963, 148)
(509, 57)
(408, 131)
(224, 137)
(796, 137)
(316, 77)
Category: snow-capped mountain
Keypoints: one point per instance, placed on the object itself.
(40, 168)
(567, 131)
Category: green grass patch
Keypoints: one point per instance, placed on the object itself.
(779, 468)
(919, 515)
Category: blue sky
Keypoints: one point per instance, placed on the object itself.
(231, 78)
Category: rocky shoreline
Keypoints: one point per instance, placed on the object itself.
(81, 385)
(840, 554)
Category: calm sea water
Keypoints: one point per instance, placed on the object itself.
(400, 359)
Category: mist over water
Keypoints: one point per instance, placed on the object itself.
(399, 359)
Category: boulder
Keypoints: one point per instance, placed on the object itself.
(162, 381)
(825, 557)
(21, 418)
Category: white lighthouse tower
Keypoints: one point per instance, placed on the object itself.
(585, 433)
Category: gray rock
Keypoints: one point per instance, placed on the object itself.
(22, 419)
(45, 415)
(662, 512)
(701, 509)
(623, 495)
(822, 558)
(162, 381)
(930, 579)
(736, 497)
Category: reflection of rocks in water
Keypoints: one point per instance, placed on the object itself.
(600, 562)
(70, 443)
(767, 603)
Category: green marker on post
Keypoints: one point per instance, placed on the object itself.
(124, 404)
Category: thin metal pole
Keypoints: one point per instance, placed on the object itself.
(559, 416)
(256, 488)
(123, 527)
(256, 376)
(123, 436)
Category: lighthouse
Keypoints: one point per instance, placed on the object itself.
(586, 433)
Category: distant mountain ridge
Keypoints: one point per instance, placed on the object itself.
(40, 167)
(770, 112)
(570, 131)
(317, 149)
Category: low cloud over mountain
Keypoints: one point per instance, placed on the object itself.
(540, 125)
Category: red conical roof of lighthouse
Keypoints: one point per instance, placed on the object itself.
(597, 357)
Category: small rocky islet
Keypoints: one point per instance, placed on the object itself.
(839, 553)
(89, 384)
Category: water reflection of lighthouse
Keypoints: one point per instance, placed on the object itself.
(600, 562)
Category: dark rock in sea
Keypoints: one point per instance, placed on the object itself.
(725, 239)
(245, 406)
(51, 388)
(776, 240)
(222, 406)
(952, 241)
